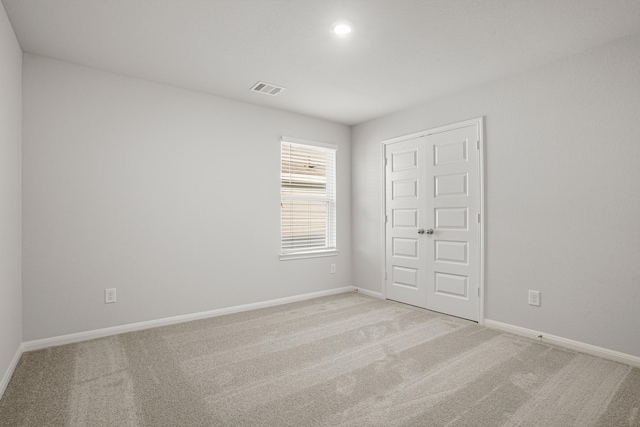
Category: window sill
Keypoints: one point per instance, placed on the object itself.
(303, 255)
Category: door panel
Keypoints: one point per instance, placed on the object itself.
(452, 151)
(407, 188)
(452, 256)
(405, 203)
(450, 185)
(454, 252)
(404, 160)
(405, 276)
(404, 218)
(403, 247)
(451, 219)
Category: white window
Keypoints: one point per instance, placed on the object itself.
(307, 199)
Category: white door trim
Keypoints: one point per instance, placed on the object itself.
(479, 122)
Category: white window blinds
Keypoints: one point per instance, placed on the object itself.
(307, 198)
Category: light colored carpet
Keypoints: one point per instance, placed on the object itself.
(343, 360)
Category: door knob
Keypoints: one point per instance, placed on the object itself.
(430, 231)
(422, 231)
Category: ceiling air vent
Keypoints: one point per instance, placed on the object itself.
(267, 88)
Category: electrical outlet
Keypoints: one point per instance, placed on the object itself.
(109, 295)
(333, 269)
(534, 298)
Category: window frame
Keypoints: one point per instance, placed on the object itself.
(331, 215)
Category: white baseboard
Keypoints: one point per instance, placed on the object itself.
(368, 292)
(99, 333)
(593, 350)
(9, 372)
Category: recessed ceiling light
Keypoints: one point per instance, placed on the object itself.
(342, 28)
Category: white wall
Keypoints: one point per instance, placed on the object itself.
(563, 193)
(10, 194)
(170, 196)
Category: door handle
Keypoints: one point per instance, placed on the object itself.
(422, 231)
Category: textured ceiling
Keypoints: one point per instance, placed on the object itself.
(402, 53)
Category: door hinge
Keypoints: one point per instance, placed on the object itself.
(386, 218)
(385, 275)
(386, 161)
(477, 144)
(478, 218)
(478, 291)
